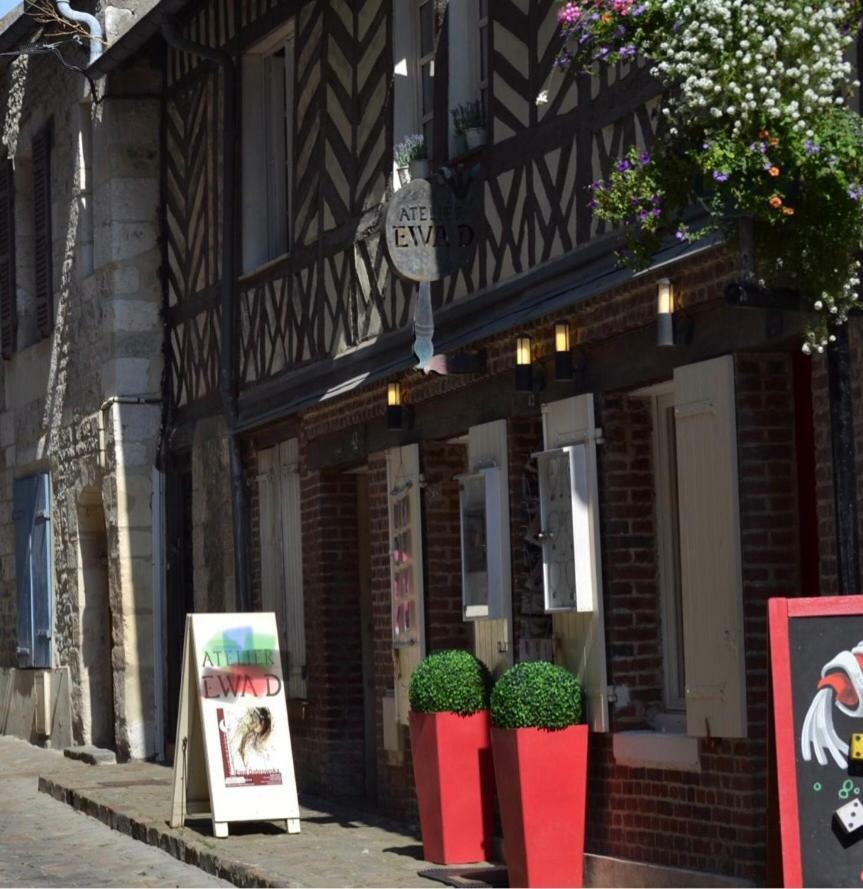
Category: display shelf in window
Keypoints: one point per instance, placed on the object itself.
(567, 553)
(482, 544)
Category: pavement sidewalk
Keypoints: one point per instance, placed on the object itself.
(332, 849)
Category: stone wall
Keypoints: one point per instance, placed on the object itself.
(83, 404)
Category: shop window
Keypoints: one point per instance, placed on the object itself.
(267, 145)
(668, 548)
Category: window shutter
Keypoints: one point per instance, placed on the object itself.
(710, 557)
(42, 245)
(8, 310)
(580, 635)
(404, 506)
(487, 446)
(33, 569)
(281, 557)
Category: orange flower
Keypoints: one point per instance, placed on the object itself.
(774, 141)
(764, 134)
(774, 171)
(788, 211)
(606, 18)
(775, 201)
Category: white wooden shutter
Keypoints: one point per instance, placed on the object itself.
(487, 446)
(710, 558)
(282, 557)
(404, 508)
(580, 635)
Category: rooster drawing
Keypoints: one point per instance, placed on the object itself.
(841, 686)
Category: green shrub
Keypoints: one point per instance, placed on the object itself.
(536, 694)
(450, 682)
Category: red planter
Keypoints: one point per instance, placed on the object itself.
(455, 785)
(542, 789)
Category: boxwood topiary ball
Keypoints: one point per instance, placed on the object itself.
(536, 694)
(451, 681)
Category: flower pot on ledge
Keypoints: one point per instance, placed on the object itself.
(542, 788)
(454, 779)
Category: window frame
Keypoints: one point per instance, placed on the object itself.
(424, 119)
(260, 163)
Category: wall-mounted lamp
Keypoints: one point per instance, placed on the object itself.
(664, 312)
(394, 406)
(523, 364)
(562, 351)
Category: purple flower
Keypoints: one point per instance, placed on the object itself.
(623, 166)
(680, 234)
(645, 159)
(855, 193)
(811, 147)
(644, 215)
(719, 176)
(639, 10)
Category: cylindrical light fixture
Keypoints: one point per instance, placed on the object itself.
(394, 406)
(562, 351)
(523, 364)
(664, 312)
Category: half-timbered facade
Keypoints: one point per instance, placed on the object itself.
(689, 469)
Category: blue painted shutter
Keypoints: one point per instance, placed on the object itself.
(33, 556)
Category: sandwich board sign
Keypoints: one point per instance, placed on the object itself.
(232, 759)
(816, 650)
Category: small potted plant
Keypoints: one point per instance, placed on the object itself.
(469, 122)
(411, 157)
(451, 751)
(540, 763)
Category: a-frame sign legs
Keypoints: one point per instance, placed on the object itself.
(191, 792)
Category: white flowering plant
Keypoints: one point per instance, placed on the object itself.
(755, 123)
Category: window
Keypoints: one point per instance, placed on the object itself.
(8, 301)
(469, 28)
(668, 549)
(414, 71)
(43, 241)
(268, 103)
(482, 55)
(426, 71)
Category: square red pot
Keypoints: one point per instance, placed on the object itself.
(455, 785)
(541, 781)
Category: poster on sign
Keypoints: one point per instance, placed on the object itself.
(233, 756)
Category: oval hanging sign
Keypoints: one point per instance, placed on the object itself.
(431, 229)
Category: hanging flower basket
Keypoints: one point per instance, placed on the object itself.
(754, 123)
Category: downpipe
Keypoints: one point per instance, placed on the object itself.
(84, 18)
(227, 370)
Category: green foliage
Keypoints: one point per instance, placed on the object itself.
(413, 148)
(452, 681)
(468, 116)
(536, 694)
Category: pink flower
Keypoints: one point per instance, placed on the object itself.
(569, 14)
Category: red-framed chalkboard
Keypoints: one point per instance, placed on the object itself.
(816, 650)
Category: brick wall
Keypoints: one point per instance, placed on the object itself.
(441, 463)
(629, 561)
(714, 820)
(330, 746)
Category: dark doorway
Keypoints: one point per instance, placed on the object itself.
(364, 563)
(97, 689)
(179, 585)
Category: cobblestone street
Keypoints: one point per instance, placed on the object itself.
(45, 843)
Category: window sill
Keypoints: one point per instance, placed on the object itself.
(656, 750)
(267, 266)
